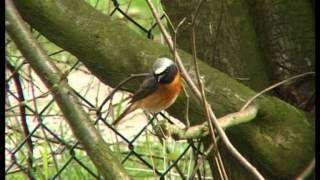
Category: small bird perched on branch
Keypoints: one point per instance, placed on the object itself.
(158, 91)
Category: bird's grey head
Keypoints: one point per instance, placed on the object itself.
(164, 69)
(161, 64)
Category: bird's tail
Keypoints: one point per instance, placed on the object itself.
(128, 110)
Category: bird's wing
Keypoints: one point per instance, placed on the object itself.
(148, 86)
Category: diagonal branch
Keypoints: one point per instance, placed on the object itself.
(217, 156)
(197, 92)
(99, 152)
(111, 51)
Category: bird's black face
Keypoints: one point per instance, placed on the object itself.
(167, 75)
(164, 70)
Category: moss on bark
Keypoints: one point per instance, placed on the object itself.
(280, 141)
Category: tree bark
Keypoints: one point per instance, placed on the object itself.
(286, 37)
(97, 149)
(225, 38)
(280, 141)
(257, 39)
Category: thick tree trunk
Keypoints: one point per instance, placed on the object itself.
(225, 38)
(286, 37)
(256, 39)
(280, 140)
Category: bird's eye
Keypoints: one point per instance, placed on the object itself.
(157, 77)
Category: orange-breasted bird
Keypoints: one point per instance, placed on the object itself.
(158, 91)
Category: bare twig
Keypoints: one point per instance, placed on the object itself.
(23, 103)
(175, 32)
(27, 172)
(55, 163)
(217, 156)
(308, 170)
(16, 69)
(22, 107)
(187, 105)
(132, 76)
(201, 161)
(128, 6)
(274, 86)
(197, 92)
(97, 149)
(51, 140)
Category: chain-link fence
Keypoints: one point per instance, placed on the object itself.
(40, 145)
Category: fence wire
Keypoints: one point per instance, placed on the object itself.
(40, 145)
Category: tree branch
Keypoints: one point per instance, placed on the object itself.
(93, 143)
(112, 51)
(199, 95)
(199, 131)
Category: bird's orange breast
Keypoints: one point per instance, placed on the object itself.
(163, 97)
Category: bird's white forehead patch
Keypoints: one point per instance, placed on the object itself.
(160, 70)
(161, 64)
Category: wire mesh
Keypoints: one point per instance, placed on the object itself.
(40, 145)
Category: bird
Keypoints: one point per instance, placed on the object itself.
(158, 90)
